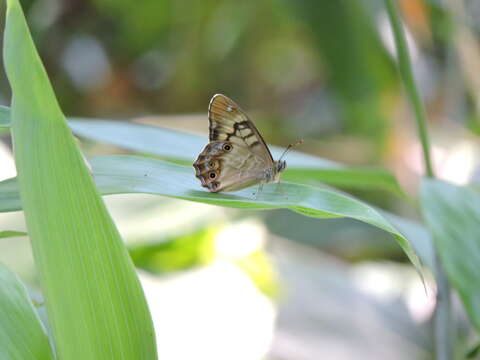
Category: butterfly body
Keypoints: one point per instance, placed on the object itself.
(236, 156)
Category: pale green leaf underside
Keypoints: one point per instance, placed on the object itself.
(453, 216)
(182, 146)
(133, 174)
(177, 145)
(4, 116)
(22, 335)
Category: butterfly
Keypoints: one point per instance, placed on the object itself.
(236, 156)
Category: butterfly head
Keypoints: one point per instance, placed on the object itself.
(280, 165)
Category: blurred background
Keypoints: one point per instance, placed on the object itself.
(231, 284)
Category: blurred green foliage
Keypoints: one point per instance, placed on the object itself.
(319, 70)
(293, 60)
(173, 254)
(197, 248)
(359, 67)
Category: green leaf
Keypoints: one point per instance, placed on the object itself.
(176, 145)
(10, 195)
(133, 174)
(418, 236)
(127, 174)
(22, 335)
(473, 352)
(4, 116)
(130, 174)
(94, 300)
(183, 147)
(453, 216)
(9, 233)
(167, 143)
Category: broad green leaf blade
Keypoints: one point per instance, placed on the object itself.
(9, 233)
(133, 174)
(453, 216)
(94, 300)
(172, 144)
(169, 143)
(127, 174)
(4, 116)
(22, 335)
(176, 145)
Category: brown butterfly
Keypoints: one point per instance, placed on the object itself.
(236, 156)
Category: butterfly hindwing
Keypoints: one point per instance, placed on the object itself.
(225, 166)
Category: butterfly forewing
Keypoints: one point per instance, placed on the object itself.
(236, 156)
(229, 123)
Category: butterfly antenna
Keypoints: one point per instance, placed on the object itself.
(299, 142)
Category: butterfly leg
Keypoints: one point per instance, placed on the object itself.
(259, 190)
(279, 188)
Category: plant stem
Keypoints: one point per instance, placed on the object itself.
(442, 328)
(443, 338)
(405, 67)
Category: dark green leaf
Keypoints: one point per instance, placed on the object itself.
(473, 352)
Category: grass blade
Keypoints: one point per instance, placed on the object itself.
(94, 300)
(9, 234)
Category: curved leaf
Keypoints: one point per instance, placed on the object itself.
(453, 215)
(176, 145)
(22, 335)
(168, 143)
(133, 174)
(181, 146)
(127, 174)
